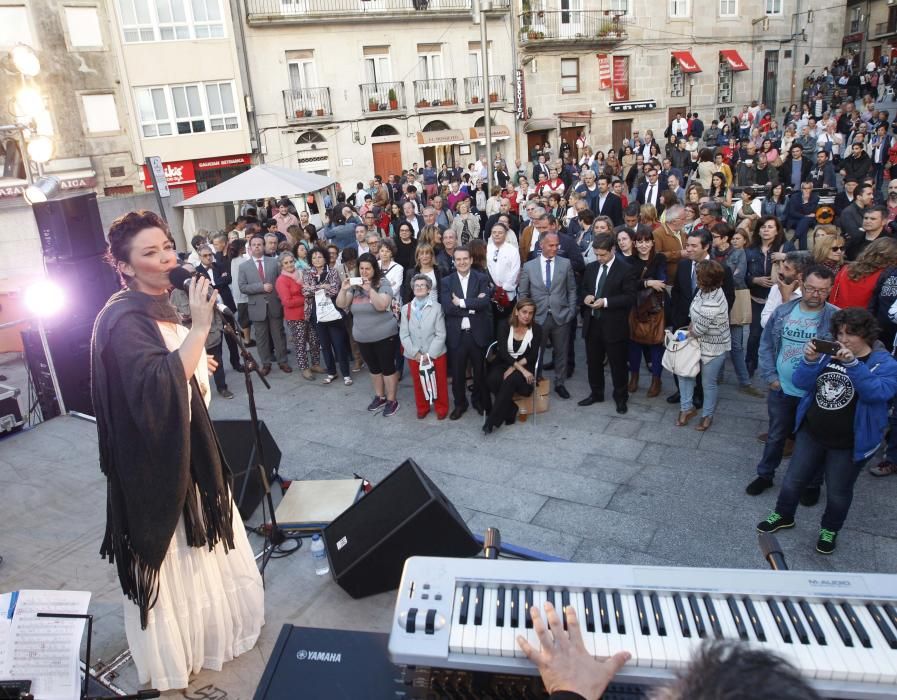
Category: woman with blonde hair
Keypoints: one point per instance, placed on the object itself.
(855, 282)
(647, 215)
(694, 193)
(828, 249)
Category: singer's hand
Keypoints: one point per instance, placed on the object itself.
(202, 306)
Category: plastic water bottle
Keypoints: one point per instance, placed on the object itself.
(319, 556)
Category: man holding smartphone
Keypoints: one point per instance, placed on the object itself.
(788, 330)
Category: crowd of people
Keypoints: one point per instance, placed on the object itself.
(751, 239)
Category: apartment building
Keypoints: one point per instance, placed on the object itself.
(607, 66)
(350, 88)
(183, 90)
(870, 30)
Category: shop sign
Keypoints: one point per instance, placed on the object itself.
(519, 94)
(634, 106)
(604, 79)
(226, 162)
(177, 174)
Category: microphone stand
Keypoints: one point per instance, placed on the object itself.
(274, 536)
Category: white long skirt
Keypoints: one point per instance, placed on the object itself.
(211, 608)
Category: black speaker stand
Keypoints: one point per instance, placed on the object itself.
(274, 536)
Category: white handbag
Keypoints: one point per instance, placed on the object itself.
(681, 357)
(325, 311)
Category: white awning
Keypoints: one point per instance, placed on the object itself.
(260, 182)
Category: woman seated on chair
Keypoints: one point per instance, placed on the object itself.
(513, 371)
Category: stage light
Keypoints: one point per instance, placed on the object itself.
(45, 188)
(44, 298)
(40, 148)
(25, 60)
(29, 103)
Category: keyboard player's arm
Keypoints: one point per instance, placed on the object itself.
(567, 669)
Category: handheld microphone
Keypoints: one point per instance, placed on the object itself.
(181, 279)
(769, 545)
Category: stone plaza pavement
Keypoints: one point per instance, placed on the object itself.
(581, 483)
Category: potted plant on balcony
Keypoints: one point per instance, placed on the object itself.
(493, 97)
(393, 100)
(423, 103)
(373, 105)
(319, 112)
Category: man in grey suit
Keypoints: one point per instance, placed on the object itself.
(548, 280)
(256, 278)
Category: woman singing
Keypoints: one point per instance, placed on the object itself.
(194, 596)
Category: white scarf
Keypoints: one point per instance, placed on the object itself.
(524, 344)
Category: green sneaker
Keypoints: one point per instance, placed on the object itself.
(775, 522)
(826, 542)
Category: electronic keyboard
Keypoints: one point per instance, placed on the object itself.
(839, 630)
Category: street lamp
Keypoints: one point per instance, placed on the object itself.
(45, 188)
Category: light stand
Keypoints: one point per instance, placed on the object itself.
(274, 536)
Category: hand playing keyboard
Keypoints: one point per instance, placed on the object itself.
(563, 661)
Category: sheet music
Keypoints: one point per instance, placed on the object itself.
(46, 651)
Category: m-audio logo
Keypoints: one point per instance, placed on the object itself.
(330, 657)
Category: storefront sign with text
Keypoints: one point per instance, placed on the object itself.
(604, 80)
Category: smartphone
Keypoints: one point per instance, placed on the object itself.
(356, 281)
(826, 347)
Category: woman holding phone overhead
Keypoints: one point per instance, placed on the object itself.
(194, 596)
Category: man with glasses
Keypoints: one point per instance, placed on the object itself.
(874, 220)
(781, 348)
(649, 192)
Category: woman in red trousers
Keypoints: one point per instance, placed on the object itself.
(422, 334)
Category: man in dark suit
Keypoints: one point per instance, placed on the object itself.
(414, 220)
(608, 203)
(649, 191)
(549, 281)
(219, 275)
(467, 303)
(795, 169)
(685, 286)
(851, 219)
(609, 285)
(540, 167)
(256, 279)
(800, 212)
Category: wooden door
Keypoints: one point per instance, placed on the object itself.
(535, 139)
(570, 133)
(387, 158)
(620, 129)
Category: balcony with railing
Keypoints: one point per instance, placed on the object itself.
(329, 11)
(438, 95)
(552, 29)
(382, 99)
(307, 105)
(475, 94)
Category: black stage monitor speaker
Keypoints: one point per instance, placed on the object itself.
(70, 227)
(70, 349)
(87, 284)
(404, 515)
(238, 445)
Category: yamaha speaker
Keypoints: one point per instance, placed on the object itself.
(238, 444)
(404, 515)
(70, 227)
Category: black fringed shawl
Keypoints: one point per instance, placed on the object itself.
(154, 456)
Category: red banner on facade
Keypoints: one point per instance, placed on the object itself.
(604, 79)
(621, 78)
(178, 173)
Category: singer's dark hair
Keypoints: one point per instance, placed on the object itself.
(122, 233)
(735, 671)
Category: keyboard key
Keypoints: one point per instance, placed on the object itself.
(603, 612)
(680, 615)
(737, 620)
(478, 605)
(527, 604)
(779, 619)
(857, 626)
(878, 616)
(500, 607)
(810, 617)
(456, 633)
(642, 614)
(840, 627)
(759, 632)
(619, 613)
(514, 607)
(659, 622)
(565, 603)
(589, 619)
(700, 627)
(796, 622)
(465, 603)
(713, 617)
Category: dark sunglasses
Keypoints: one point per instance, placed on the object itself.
(837, 247)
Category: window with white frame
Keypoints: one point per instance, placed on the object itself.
(188, 114)
(377, 69)
(724, 90)
(100, 114)
(83, 24)
(207, 21)
(429, 66)
(222, 108)
(677, 80)
(14, 26)
(154, 115)
(569, 75)
(620, 7)
(679, 8)
(172, 15)
(773, 7)
(187, 109)
(302, 74)
(728, 8)
(170, 20)
(856, 20)
(475, 58)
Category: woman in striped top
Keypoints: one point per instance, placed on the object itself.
(709, 314)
